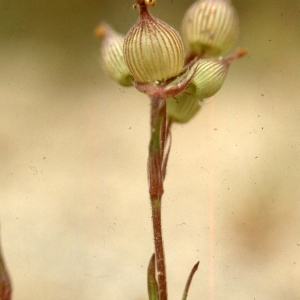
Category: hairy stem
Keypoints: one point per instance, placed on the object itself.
(156, 177)
(159, 249)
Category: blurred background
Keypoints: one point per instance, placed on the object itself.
(74, 208)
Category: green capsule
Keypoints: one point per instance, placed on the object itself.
(153, 50)
(210, 27)
(209, 77)
(112, 59)
(184, 106)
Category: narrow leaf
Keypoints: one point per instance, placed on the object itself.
(188, 283)
(152, 284)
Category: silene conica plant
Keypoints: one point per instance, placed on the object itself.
(151, 57)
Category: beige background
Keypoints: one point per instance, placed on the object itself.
(74, 209)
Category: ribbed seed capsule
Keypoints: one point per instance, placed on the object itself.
(209, 77)
(184, 106)
(210, 27)
(153, 50)
(112, 55)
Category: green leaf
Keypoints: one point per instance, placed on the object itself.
(188, 283)
(152, 284)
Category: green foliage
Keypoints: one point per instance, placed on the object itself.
(152, 284)
(188, 283)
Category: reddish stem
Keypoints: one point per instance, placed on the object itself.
(156, 177)
(159, 249)
(5, 283)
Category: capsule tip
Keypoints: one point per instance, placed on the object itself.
(100, 31)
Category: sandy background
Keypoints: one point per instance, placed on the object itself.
(74, 210)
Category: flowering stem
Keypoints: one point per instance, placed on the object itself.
(156, 177)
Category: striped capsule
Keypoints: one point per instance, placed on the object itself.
(209, 76)
(210, 27)
(111, 57)
(184, 106)
(153, 50)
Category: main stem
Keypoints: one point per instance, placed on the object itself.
(159, 249)
(156, 177)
